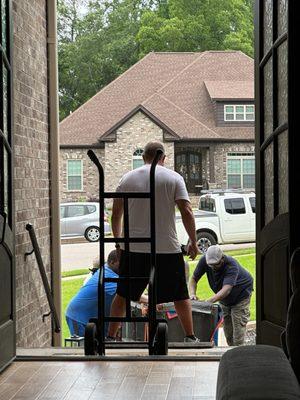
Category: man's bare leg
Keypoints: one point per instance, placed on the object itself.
(184, 312)
(118, 308)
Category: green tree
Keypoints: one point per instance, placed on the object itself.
(68, 19)
(96, 48)
(111, 35)
(198, 25)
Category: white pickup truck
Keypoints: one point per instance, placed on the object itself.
(223, 217)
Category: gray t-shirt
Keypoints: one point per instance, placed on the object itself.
(169, 187)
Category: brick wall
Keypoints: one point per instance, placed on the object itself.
(31, 175)
(90, 175)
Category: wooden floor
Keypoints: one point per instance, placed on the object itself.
(109, 380)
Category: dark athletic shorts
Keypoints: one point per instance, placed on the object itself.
(171, 282)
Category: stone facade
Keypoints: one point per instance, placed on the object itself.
(133, 135)
(31, 175)
(214, 162)
(90, 188)
(116, 158)
(220, 152)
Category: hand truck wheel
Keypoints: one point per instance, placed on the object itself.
(161, 339)
(90, 339)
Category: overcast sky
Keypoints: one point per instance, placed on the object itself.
(82, 9)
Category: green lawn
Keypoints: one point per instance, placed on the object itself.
(246, 258)
(69, 289)
(75, 272)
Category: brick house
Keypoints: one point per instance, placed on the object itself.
(28, 186)
(200, 105)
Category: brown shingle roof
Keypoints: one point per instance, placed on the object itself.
(230, 90)
(172, 87)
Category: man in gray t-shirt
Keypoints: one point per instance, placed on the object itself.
(170, 191)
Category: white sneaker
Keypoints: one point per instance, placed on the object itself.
(188, 339)
(110, 339)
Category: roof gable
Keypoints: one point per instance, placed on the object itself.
(230, 90)
(170, 88)
(110, 135)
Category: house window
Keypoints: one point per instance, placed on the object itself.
(137, 159)
(240, 171)
(239, 113)
(74, 168)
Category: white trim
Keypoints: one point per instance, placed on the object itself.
(241, 174)
(81, 175)
(136, 157)
(234, 112)
(54, 162)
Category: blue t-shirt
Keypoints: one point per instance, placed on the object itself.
(84, 305)
(231, 273)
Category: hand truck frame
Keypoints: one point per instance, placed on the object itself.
(94, 342)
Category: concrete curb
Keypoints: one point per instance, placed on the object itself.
(76, 239)
(73, 240)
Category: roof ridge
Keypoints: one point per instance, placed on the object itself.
(184, 69)
(244, 54)
(143, 107)
(223, 51)
(105, 87)
(158, 90)
(185, 112)
(228, 80)
(177, 52)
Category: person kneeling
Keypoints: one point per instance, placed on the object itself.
(84, 305)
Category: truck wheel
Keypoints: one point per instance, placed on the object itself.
(205, 240)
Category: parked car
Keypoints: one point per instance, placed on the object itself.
(223, 217)
(82, 219)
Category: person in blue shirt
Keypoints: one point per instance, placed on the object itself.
(232, 285)
(84, 305)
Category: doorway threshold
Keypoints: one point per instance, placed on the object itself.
(77, 354)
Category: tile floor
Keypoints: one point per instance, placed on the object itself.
(100, 380)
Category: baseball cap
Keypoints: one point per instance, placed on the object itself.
(213, 255)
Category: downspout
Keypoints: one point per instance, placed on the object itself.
(54, 161)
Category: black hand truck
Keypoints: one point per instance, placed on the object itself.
(94, 338)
